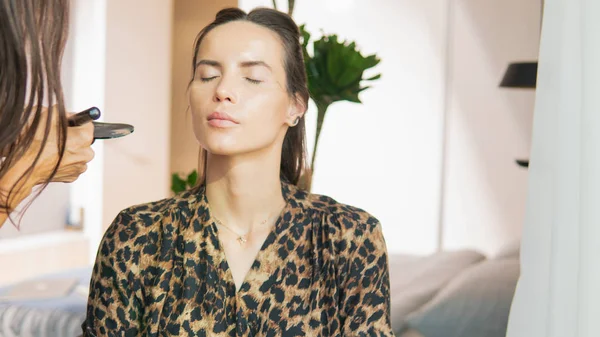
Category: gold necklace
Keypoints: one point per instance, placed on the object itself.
(242, 238)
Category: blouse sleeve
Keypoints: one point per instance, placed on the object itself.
(365, 290)
(114, 306)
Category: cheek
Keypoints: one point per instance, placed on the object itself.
(197, 105)
(197, 100)
(197, 96)
(266, 115)
(264, 125)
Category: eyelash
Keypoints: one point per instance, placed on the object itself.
(208, 79)
(253, 81)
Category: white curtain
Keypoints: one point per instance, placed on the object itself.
(558, 293)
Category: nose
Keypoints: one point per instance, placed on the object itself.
(225, 92)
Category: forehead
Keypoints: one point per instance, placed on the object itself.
(242, 40)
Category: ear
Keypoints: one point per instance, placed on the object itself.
(296, 110)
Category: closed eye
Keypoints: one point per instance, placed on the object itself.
(207, 79)
(251, 80)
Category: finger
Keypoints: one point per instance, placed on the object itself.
(89, 155)
(89, 129)
(87, 133)
(80, 136)
(70, 179)
(65, 178)
(70, 174)
(82, 169)
(74, 158)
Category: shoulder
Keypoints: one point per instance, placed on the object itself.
(349, 220)
(155, 210)
(354, 234)
(137, 227)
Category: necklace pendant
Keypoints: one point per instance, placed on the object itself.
(242, 240)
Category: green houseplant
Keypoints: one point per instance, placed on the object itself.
(335, 71)
(180, 184)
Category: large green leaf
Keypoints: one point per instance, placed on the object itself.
(376, 77)
(336, 68)
(192, 178)
(335, 71)
(177, 184)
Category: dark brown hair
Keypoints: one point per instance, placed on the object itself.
(293, 154)
(32, 39)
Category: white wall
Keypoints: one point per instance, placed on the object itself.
(385, 155)
(488, 127)
(122, 64)
(441, 63)
(87, 52)
(137, 92)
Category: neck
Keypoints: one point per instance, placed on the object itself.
(244, 191)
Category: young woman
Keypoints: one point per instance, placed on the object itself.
(247, 252)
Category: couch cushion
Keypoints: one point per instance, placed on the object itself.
(511, 250)
(476, 303)
(415, 280)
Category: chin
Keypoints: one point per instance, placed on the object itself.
(221, 149)
(233, 144)
(225, 152)
(222, 146)
(232, 150)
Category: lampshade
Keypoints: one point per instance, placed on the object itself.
(520, 75)
(522, 162)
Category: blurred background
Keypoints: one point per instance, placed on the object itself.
(430, 151)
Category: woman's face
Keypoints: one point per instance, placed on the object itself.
(238, 98)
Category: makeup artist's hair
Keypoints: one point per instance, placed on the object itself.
(293, 154)
(32, 39)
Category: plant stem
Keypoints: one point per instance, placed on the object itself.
(274, 4)
(321, 110)
(291, 7)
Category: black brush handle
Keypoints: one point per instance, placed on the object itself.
(85, 116)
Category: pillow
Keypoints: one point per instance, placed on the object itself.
(415, 280)
(409, 333)
(509, 251)
(475, 304)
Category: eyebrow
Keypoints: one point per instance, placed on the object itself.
(245, 64)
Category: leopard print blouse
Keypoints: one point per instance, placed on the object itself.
(161, 271)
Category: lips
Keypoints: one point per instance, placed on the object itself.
(221, 116)
(221, 120)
